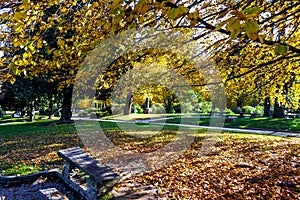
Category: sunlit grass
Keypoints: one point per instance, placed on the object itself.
(252, 123)
(134, 116)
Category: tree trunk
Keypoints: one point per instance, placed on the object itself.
(267, 106)
(66, 112)
(129, 100)
(50, 108)
(278, 110)
(31, 111)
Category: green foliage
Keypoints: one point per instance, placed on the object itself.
(107, 196)
(136, 108)
(281, 49)
(102, 114)
(158, 109)
(172, 110)
(205, 107)
(251, 27)
(252, 10)
(175, 13)
(229, 111)
(257, 109)
(186, 107)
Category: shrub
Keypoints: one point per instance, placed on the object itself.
(158, 109)
(136, 108)
(204, 107)
(177, 108)
(187, 107)
(172, 111)
(229, 111)
(102, 114)
(257, 109)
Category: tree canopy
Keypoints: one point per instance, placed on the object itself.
(254, 42)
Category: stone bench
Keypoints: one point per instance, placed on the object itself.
(101, 178)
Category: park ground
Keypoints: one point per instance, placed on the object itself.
(239, 166)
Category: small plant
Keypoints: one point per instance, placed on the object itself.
(107, 196)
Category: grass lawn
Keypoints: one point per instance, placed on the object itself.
(240, 166)
(27, 147)
(134, 116)
(253, 123)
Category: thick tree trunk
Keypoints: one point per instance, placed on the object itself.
(66, 112)
(278, 110)
(129, 100)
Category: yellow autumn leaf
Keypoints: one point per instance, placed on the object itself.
(116, 4)
(60, 43)
(30, 48)
(12, 80)
(193, 18)
(19, 15)
(18, 27)
(233, 25)
(281, 49)
(253, 36)
(220, 25)
(251, 27)
(261, 37)
(234, 33)
(175, 13)
(15, 70)
(64, 10)
(39, 44)
(25, 55)
(142, 8)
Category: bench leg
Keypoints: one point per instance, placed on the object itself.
(92, 189)
(66, 170)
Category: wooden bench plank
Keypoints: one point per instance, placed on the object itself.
(80, 159)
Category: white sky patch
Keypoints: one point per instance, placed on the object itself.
(3, 28)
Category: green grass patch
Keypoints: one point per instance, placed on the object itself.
(252, 123)
(266, 124)
(28, 145)
(134, 116)
(21, 170)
